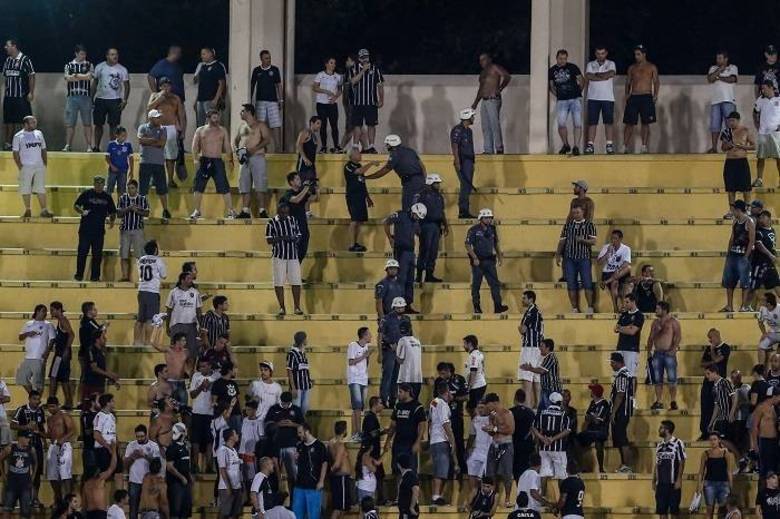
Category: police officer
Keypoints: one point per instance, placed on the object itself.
(462, 141)
(431, 228)
(389, 335)
(407, 165)
(388, 289)
(94, 205)
(484, 254)
(405, 225)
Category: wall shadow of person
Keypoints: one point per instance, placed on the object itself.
(402, 118)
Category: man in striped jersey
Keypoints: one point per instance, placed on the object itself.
(298, 374)
(548, 371)
(622, 398)
(596, 428)
(368, 96)
(215, 322)
(725, 408)
(578, 236)
(19, 89)
(668, 470)
(132, 208)
(282, 234)
(552, 428)
(531, 330)
(78, 103)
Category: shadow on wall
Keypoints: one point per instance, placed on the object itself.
(402, 118)
(438, 118)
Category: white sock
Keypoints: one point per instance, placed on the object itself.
(370, 145)
(245, 209)
(609, 142)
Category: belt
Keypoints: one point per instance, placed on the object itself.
(497, 96)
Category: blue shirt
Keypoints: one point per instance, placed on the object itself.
(404, 229)
(387, 290)
(434, 203)
(172, 71)
(483, 240)
(118, 155)
(462, 137)
(390, 327)
(406, 163)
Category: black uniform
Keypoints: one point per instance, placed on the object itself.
(405, 228)
(308, 173)
(92, 229)
(387, 290)
(407, 165)
(357, 193)
(430, 231)
(462, 137)
(574, 488)
(298, 211)
(26, 415)
(522, 439)
(179, 494)
(622, 385)
(484, 240)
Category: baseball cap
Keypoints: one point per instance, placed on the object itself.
(154, 113)
(770, 49)
(99, 179)
(616, 356)
(556, 397)
(757, 203)
(597, 389)
(582, 184)
(163, 80)
(740, 204)
(267, 364)
(362, 53)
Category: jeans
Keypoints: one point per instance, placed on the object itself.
(87, 241)
(466, 177)
(490, 115)
(544, 401)
(736, 271)
(307, 503)
(663, 361)
(578, 272)
(388, 383)
(405, 259)
(569, 106)
(301, 399)
(134, 493)
(716, 492)
(430, 233)
(486, 269)
(718, 114)
(357, 396)
(287, 460)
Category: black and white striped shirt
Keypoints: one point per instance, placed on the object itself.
(286, 229)
(17, 72)
(298, 366)
(551, 422)
(550, 380)
(622, 384)
(132, 221)
(669, 456)
(82, 86)
(572, 249)
(534, 327)
(599, 412)
(215, 326)
(364, 92)
(722, 392)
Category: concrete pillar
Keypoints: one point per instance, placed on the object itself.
(540, 50)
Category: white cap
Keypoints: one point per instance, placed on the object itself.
(467, 113)
(154, 113)
(432, 178)
(391, 263)
(419, 210)
(179, 431)
(393, 140)
(556, 397)
(485, 213)
(398, 302)
(268, 364)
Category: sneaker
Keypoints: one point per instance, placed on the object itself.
(27, 214)
(625, 469)
(758, 183)
(357, 248)
(194, 216)
(323, 150)
(501, 309)
(439, 501)
(231, 215)
(626, 151)
(88, 150)
(656, 406)
(337, 149)
(78, 278)
(466, 216)
(166, 214)
(310, 215)
(589, 149)
(728, 216)
(564, 149)
(575, 151)
(66, 148)
(430, 278)
(281, 311)
(47, 214)
(264, 214)
(610, 149)
(298, 311)
(96, 149)
(244, 215)
(726, 309)
(589, 310)
(499, 152)
(712, 150)
(370, 151)
(477, 309)
(673, 406)
(746, 308)
(357, 437)
(7, 146)
(643, 150)
(575, 310)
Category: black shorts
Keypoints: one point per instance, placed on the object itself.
(667, 500)
(620, 431)
(724, 429)
(363, 114)
(95, 514)
(341, 492)
(211, 168)
(200, 431)
(179, 499)
(60, 369)
(764, 275)
(639, 107)
(588, 438)
(768, 455)
(358, 208)
(475, 395)
(103, 459)
(736, 175)
(110, 109)
(152, 174)
(15, 109)
(604, 108)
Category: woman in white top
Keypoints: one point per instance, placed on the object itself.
(327, 87)
(365, 472)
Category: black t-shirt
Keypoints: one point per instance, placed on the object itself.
(524, 420)
(179, 454)
(20, 463)
(524, 513)
(574, 489)
(87, 419)
(722, 350)
(564, 80)
(95, 356)
(297, 210)
(599, 411)
(356, 184)
(310, 460)
(772, 379)
(284, 437)
(409, 480)
(264, 83)
(630, 342)
(87, 331)
(759, 388)
(407, 416)
(209, 76)
(767, 237)
(99, 206)
(770, 503)
(768, 72)
(225, 390)
(372, 429)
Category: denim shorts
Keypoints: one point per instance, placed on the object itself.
(78, 106)
(440, 458)
(736, 271)
(716, 492)
(663, 361)
(357, 396)
(718, 114)
(569, 106)
(578, 272)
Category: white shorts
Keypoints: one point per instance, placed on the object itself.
(530, 356)
(32, 179)
(476, 466)
(553, 464)
(59, 462)
(171, 142)
(286, 272)
(770, 340)
(631, 359)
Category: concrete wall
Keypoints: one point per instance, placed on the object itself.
(422, 109)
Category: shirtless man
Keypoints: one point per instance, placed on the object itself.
(763, 435)
(501, 454)
(642, 85)
(251, 143)
(208, 144)
(161, 424)
(492, 80)
(177, 362)
(61, 430)
(340, 470)
(154, 493)
(736, 141)
(662, 345)
(160, 388)
(173, 118)
(93, 489)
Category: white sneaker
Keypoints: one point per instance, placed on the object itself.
(575, 311)
(357, 437)
(643, 150)
(88, 150)
(231, 215)
(195, 215)
(66, 148)
(625, 469)
(589, 310)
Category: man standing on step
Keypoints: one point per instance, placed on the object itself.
(717, 354)
(462, 141)
(407, 428)
(407, 165)
(62, 346)
(484, 255)
(368, 96)
(387, 289)
(94, 205)
(389, 335)
(766, 117)
(78, 102)
(493, 79)
(133, 208)
(642, 85)
(59, 459)
(736, 270)
(552, 429)
(152, 138)
(208, 144)
(668, 471)
(297, 197)
(622, 398)
(663, 343)
(251, 143)
(531, 336)
(432, 227)
(405, 226)
(601, 99)
(282, 233)
(629, 330)
(111, 88)
(566, 86)
(575, 249)
(173, 120)
(29, 150)
(19, 88)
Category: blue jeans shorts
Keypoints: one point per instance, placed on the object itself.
(357, 396)
(736, 271)
(78, 106)
(716, 492)
(578, 272)
(569, 106)
(718, 114)
(440, 457)
(665, 362)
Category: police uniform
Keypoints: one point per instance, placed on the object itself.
(390, 328)
(386, 290)
(406, 163)
(462, 137)
(483, 239)
(430, 232)
(404, 230)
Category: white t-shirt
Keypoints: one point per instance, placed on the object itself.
(476, 361)
(770, 318)
(266, 396)
(357, 373)
(4, 392)
(140, 467)
(110, 81)
(35, 345)
(201, 404)
(29, 145)
(439, 412)
(722, 92)
(530, 480)
(115, 512)
(768, 109)
(616, 258)
(255, 487)
(151, 271)
(279, 512)
(184, 304)
(251, 431)
(330, 82)
(218, 425)
(482, 440)
(367, 480)
(105, 424)
(601, 90)
(410, 351)
(227, 458)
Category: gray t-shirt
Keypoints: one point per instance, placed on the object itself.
(110, 81)
(151, 154)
